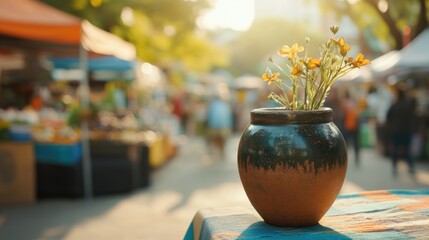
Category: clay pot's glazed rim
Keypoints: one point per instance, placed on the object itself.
(279, 115)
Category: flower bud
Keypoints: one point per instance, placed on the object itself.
(307, 40)
(334, 29)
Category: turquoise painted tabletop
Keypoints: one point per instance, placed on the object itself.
(385, 214)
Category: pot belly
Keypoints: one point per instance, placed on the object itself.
(292, 196)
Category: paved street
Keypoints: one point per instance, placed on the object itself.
(187, 183)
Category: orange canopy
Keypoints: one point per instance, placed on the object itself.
(34, 20)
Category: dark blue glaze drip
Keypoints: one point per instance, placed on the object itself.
(268, 146)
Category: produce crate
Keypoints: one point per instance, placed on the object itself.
(112, 176)
(58, 181)
(17, 173)
(20, 133)
(60, 154)
(118, 167)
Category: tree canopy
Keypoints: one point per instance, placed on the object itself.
(163, 31)
(394, 21)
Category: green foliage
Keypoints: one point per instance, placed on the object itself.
(162, 12)
(148, 32)
(151, 44)
(106, 13)
(198, 55)
(385, 26)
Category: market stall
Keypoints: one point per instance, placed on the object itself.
(66, 166)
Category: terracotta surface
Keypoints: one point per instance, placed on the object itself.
(303, 201)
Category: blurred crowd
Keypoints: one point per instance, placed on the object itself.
(393, 119)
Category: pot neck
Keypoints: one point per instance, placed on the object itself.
(272, 116)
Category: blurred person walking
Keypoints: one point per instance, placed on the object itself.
(351, 125)
(219, 121)
(197, 116)
(401, 119)
(379, 101)
(179, 110)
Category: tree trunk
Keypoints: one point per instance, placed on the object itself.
(422, 21)
(390, 22)
(397, 34)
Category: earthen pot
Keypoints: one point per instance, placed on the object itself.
(292, 164)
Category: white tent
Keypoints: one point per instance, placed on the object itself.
(384, 64)
(416, 54)
(356, 75)
(414, 58)
(377, 68)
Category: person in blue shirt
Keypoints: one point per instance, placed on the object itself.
(219, 122)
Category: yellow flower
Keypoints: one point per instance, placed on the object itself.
(344, 50)
(360, 61)
(271, 77)
(290, 51)
(338, 42)
(296, 70)
(313, 63)
(305, 82)
(344, 47)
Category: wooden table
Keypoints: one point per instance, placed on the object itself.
(385, 214)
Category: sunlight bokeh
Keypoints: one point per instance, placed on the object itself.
(237, 15)
(123, 119)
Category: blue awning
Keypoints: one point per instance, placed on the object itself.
(100, 68)
(109, 63)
